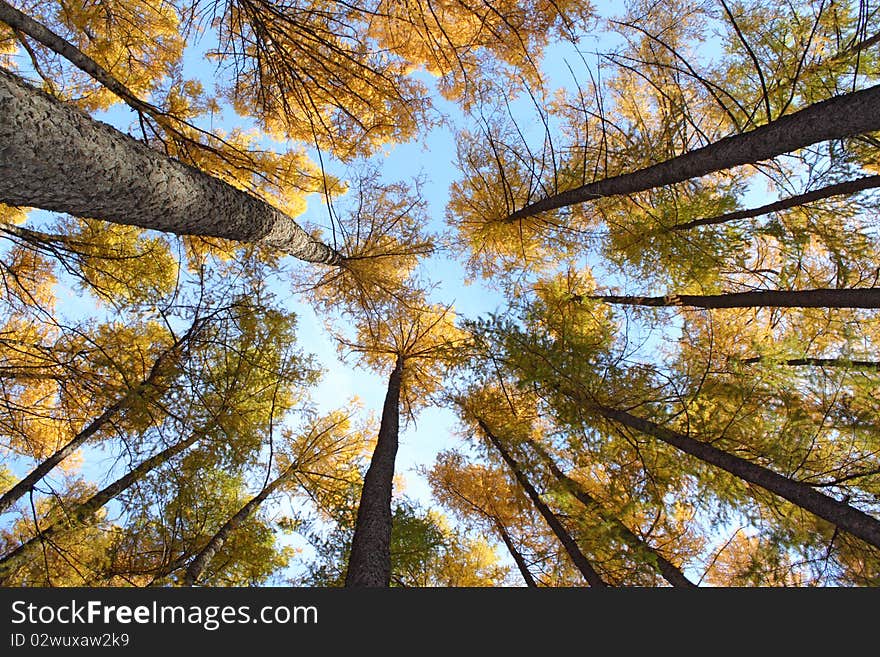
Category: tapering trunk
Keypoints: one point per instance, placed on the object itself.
(843, 116)
(817, 298)
(55, 157)
(370, 561)
(198, 564)
(132, 395)
(839, 363)
(670, 572)
(840, 189)
(841, 515)
(83, 514)
(517, 556)
(571, 547)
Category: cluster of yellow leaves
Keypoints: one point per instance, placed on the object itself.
(494, 185)
(308, 75)
(76, 558)
(746, 560)
(325, 459)
(122, 262)
(560, 310)
(12, 215)
(381, 240)
(28, 387)
(463, 42)
(424, 336)
(469, 488)
(137, 41)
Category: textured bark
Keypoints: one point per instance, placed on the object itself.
(841, 515)
(670, 572)
(55, 157)
(518, 558)
(840, 189)
(571, 547)
(840, 363)
(198, 564)
(843, 116)
(370, 561)
(818, 298)
(83, 514)
(27, 483)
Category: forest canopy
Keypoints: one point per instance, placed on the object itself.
(615, 268)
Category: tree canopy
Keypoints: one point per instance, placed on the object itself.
(439, 293)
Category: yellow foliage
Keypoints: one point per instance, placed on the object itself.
(424, 336)
(122, 262)
(326, 456)
(137, 41)
(12, 215)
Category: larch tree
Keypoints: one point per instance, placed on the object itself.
(413, 339)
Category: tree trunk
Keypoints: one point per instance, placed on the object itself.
(818, 298)
(55, 157)
(15, 493)
(670, 572)
(370, 560)
(841, 363)
(518, 558)
(848, 187)
(83, 514)
(197, 566)
(842, 116)
(571, 547)
(839, 514)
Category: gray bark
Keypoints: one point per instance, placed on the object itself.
(370, 561)
(55, 157)
(839, 363)
(839, 514)
(818, 298)
(844, 188)
(568, 543)
(839, 117)
(198, 564)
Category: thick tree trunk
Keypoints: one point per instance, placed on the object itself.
(370, 560)
(517, 556)
(841, 515)
(198, 564)
(818, 298)
(571, 547)
(16, 492)
(83, 514)
(670, 572)
(843, 116)
(840, 189)
(55, 157)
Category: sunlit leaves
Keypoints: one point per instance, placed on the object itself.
(138, 42)
(424, 336)
(382, 238)
(305, 72)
